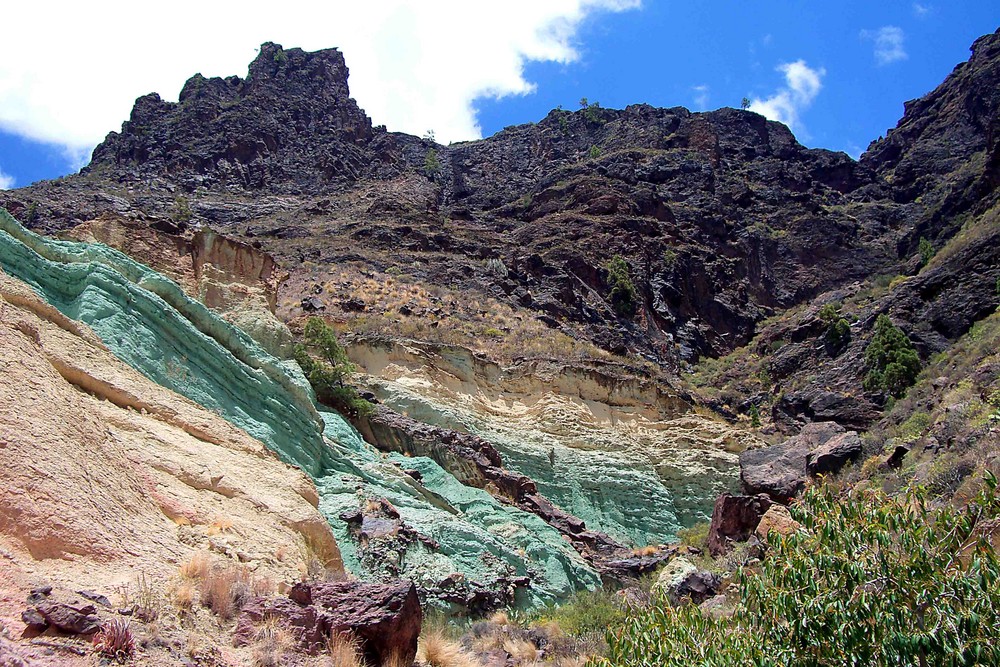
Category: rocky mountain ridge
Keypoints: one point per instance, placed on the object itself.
(722, 217)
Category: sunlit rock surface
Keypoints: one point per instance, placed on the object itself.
(445, 530)
(627, 458)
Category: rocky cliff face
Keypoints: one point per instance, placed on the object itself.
(722, 217)
(290, 126)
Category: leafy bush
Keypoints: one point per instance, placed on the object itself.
(892, 362)
(838, 329)
(870, 580)
(926, 249)
(587, 612)
(327, 370)
(623, 295)
(432, 166)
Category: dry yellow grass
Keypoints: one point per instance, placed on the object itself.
(196, 567)
(219, 526)
(274, 641)
(343, 650)
(649, 550)
(217, 588)
(521, 651)
(485, 325)
(436, 650)
(183, 595)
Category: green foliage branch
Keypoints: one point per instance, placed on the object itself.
(868, 580)
(325, 364)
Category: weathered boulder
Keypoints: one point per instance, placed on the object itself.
(385, 618)
(681, 580)
(834, 454)
(776, 520)
(781, 471)
(734, 519)
(75, 619)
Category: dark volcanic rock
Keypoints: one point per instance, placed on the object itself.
(780, 471)
(734, 519)
(75, 619)
(290, 125)
(385, 618)
(834, 454)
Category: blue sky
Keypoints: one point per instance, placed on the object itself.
(837, 72)
(708, 54)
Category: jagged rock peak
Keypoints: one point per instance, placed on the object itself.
(291, 121)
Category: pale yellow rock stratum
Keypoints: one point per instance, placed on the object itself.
(106, 475)
(625, 453)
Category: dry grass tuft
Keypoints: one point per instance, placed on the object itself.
(182, 595)
(344, 650)
(219, 526)
(649, 550)
(197, 566)
(436, 650)
(522, 651)
(274, 641)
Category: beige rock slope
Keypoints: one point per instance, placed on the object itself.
(106, 475)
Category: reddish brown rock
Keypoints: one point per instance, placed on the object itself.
(778, 520)
(734, 520)
(75, 619)
(385, 618)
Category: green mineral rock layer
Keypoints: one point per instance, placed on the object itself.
(637, 494)
(146, 320)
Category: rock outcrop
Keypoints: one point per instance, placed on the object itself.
(224, 370)
(384, 618)
(781, 471)
(734, 519)
(594, 441)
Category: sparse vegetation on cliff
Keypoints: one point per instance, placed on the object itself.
(623, 295)
(892, 362)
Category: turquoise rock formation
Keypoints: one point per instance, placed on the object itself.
(485, 540)
(146, 320)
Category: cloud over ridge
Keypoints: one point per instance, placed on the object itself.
(888, 44)
(802, 85)
(414, 67)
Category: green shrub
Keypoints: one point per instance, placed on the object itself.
(594, 152)
(182, 210)
(892, 362)
(695, 536)
(432, 166)
(870, 580)
(587, 612)
(325, 364)
(623, 295)
(926, 249)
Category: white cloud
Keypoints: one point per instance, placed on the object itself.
(888, 44)
(701, 96)
(6, 181)
(413, 66)
(802, 85)
(921, 10)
